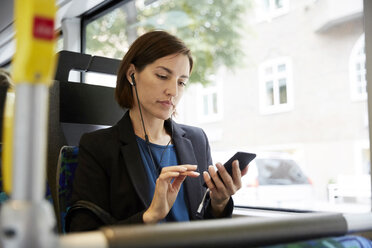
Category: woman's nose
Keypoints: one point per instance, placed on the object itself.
(172, 88)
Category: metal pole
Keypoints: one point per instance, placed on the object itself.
(29, 151)
(27, 219)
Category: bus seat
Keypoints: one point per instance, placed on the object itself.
(77, 108)
(3, 195)
(67, 164)
(347, 241)
(5, 83)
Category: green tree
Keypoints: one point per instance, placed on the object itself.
(211, 28)
(106, 35)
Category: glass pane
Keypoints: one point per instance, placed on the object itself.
(100, 79)
(269, 93)
(361, 89)
(366, 161)
(106, 35)
(361, 51)
(224, 37)
(215, 108)
(278, 4)
(205, 105)
(358, 67)
(283, 90)
(281, 68)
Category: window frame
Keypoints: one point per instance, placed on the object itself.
(90, 16)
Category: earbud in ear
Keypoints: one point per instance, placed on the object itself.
(133, 80)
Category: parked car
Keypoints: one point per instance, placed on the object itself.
(275, 180)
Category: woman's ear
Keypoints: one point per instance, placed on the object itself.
(130, 74)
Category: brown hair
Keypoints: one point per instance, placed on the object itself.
(145, 50)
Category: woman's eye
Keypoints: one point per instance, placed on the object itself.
(161, 76)
(182, 83)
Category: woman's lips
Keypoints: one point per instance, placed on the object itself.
(166, 103)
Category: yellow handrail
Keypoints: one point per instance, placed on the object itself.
(34, 63)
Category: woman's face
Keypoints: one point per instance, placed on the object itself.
(161, 84)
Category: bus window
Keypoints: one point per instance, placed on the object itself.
(278, 78)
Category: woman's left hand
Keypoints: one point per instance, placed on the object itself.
(222, 190)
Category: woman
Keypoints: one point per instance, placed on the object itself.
(145, 169)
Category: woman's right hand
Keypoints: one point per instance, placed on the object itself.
(167, 187)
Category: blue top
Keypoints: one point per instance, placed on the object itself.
(168, 157)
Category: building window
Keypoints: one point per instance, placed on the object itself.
(269, 9)
(362, 158)
(210, 104)
(210, 98)
(275, 78)
(357, 68)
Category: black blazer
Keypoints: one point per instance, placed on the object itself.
(111, 174)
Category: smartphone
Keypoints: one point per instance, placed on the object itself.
(244, 159)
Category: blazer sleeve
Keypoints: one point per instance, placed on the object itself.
(92, 184)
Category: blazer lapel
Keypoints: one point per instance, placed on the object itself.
(186, 155)
(133, 160)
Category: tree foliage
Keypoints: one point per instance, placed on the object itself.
(211, 28)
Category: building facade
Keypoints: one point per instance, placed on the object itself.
(301, 90)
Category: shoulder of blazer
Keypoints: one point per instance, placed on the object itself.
(119, 133)
(101, 137)
(190, 132)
